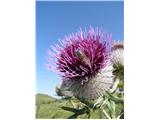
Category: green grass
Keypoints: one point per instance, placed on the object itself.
(43, 99)
(48, 107)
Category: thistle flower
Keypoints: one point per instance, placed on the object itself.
(83, 60)
(117, 56)
(117, 59)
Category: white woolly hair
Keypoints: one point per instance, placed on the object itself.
(117, 54)
(98, 84)
(95, 87)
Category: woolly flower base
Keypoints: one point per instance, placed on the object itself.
(117, 52)
(117, 59)
(94, 88)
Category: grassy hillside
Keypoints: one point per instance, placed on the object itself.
(42, 99)
(49, 107)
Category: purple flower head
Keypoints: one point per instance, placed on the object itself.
(81, 55)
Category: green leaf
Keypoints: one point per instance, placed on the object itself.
(76, 111)
(114, 98)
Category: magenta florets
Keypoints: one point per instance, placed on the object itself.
(81, 55)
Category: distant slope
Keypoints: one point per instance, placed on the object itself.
(42, 99)
(48, 107)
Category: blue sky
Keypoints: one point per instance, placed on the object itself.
(56, 19)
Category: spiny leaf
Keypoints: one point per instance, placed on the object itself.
(114, 98)
(76, 111)
(73, 116)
